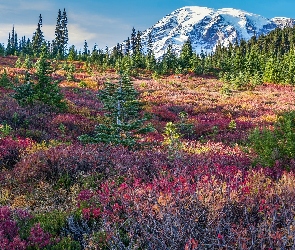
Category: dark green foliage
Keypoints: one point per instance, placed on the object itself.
(47, 91)
(245, 64)
(52, 223)
(268, 58)
(72, 56)
(12, 43)
(275, 145)
(85, 48)
(4, 80)
(186, 55)
(25, 94)
(2, 50)
(169, 63)
(61, 35)
(38, 38)
(123, 122)
(133, 41)
(44, 91)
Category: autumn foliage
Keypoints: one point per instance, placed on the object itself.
(216, 173)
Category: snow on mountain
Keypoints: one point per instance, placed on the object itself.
(206, 27)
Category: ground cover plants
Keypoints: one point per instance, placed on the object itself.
(216, 171)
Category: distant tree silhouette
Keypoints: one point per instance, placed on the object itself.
(38, 38)
(61, 34)
(12, 43)
(133, 41)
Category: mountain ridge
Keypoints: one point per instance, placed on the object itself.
(207, 27)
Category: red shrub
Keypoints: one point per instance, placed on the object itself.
(10, 150)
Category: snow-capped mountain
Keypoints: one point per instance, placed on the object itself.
(206, 27)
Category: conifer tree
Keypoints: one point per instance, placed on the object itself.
(133, 41)
(186, 55)
(61, 34)
(127, 46)
(85, 50)
(65, 33)
(138, 45)
(11, 47)
(8, 47)
(38, 38)
(123, 123)
(57, 43)
(12, 40)
(169, 61)
(150, 45)
(44, 90)
(15, 44)
(72, 53)
(2, 49)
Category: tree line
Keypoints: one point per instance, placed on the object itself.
(267, 58)
(33, 46)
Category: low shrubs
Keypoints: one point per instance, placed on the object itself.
(11, 149)
(19, 230)
(277, 145)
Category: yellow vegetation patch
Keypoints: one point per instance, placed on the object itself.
(73, 109)
(20, 202)
(269, 118)
(42, 146)
(4, 195)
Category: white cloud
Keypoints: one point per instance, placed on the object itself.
(99, 29)
(94, 28)
(18, 6)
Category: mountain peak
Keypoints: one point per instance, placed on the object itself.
(207, 27)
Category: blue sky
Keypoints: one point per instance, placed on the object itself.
(106, 22)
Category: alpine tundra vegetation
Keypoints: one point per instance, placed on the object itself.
(181, 137)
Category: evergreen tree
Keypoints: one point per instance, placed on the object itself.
(65, 33)
(150, 45)
(127, 46)
(123, 123)
(12, 41)
(2, 49)
(43, 91)
(150, 58)
(8, 47)
(133, 41)
(85, 52)
(186, 55)
(29, 47)
(138, 45)
(169, 61)
(58, 41)
(11, 47)
(137, 55)
(72, 53)
(15, 44)
(61, 34)
(38, 38)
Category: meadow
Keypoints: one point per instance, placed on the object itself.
(217, 172)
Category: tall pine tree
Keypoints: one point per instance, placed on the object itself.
(65, 33)
(38, 38)
(133, 41)
(61, 34)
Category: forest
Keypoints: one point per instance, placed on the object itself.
(115, 149)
